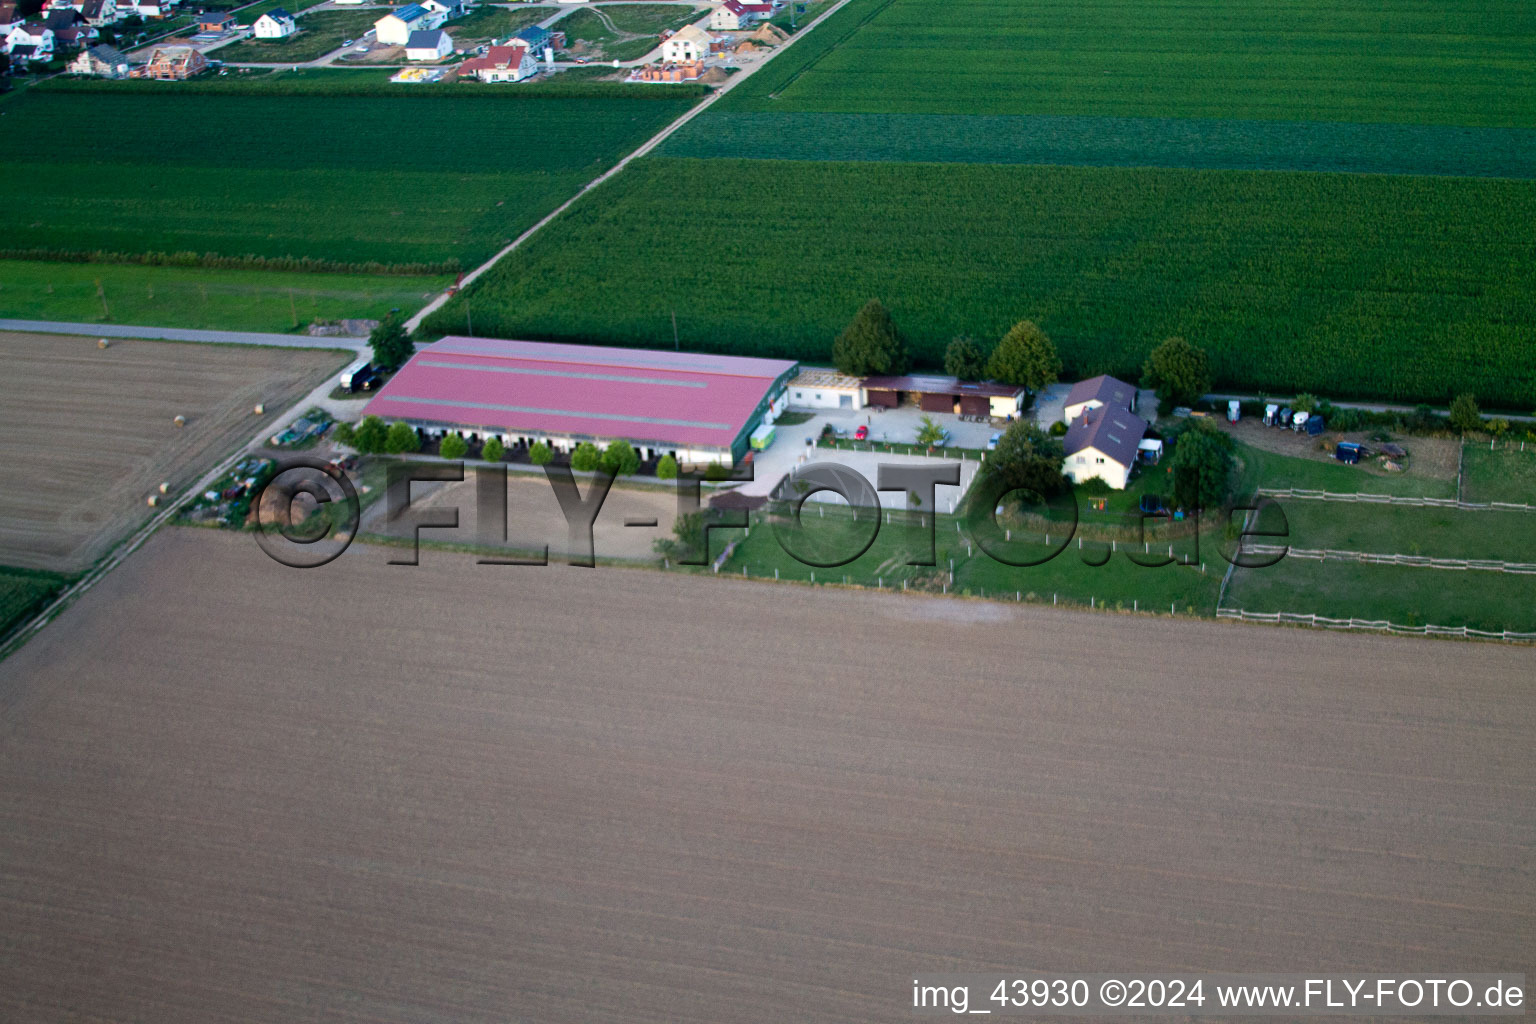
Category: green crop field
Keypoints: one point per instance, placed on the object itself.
(319, 33)
(1410, 288)
(1298, 60)
(306, 169)
(200, 297)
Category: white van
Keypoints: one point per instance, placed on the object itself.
(357, 368)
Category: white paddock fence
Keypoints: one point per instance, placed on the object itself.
(1418, 561)
(1394, 499)
(1373, 625)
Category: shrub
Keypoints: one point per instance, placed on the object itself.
(540, 454)
(453, 447)
(1058, 429)
(621, 459)
(586, 458)
(715, 471)
(666, 469)
(493, 450)
(402, 438)
(1465, 415)
(370, 435)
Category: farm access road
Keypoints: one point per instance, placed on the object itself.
(85, 330)
(431, 307)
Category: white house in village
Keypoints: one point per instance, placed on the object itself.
(501, 64)
(395, 28)
(431, 45)
(686, 44)
(825, 389)
(734, 15)
(275, 24)
(29, 41)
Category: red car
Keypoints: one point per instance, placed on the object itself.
(862, 434)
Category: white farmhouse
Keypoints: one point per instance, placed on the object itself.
(734, 15)
(686, 44)
(432, 45)
(275, 24)
(501, 64)
(1102, 442)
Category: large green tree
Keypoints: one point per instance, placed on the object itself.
(1029, 458)
(1025, 358)
(965, 359)
(1201, 464)
(1179, 372)
(392, 346)
(871, 344)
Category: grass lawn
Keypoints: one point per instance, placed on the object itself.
(1402, 595)
(831, 533)
(606, 33)
(294, 172)
(1503, 474)
(486, 23)
(318, 35)
(1269, 469)
(23, 592)
(1400, 61)
(1400, 530)
(243, 300)
(248, 15)
(1403, 288)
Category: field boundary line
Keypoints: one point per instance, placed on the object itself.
(437, 303)
(1303, 494)
(199, 336)
(1416, 561)
(1375, 625)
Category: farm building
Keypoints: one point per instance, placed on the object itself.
(1097, 391)
(946, 394)
(699, 408)
(689, 43)
(172, 64)
(1103, 442)
(432, 45)
(102, 61)
(395, 28)
(826, 389)
(501, 64)
(275, 24)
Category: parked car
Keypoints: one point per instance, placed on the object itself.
(992, 442)
(862, 434)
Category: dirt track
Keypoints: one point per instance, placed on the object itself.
(86, 435)
(235, 792)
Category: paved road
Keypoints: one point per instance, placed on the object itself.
(735, 80)
(231, 791)
(182, 334)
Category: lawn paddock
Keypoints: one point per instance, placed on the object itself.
(86, 435)
(232, 791)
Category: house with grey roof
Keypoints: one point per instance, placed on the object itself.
(1102, 443)
(1097, 391)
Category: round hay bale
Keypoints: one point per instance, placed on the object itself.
(180, 420)
(165, 487)
(102, 343)
(154, 499)
(260, 408)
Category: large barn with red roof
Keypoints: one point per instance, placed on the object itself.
(698, 408)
